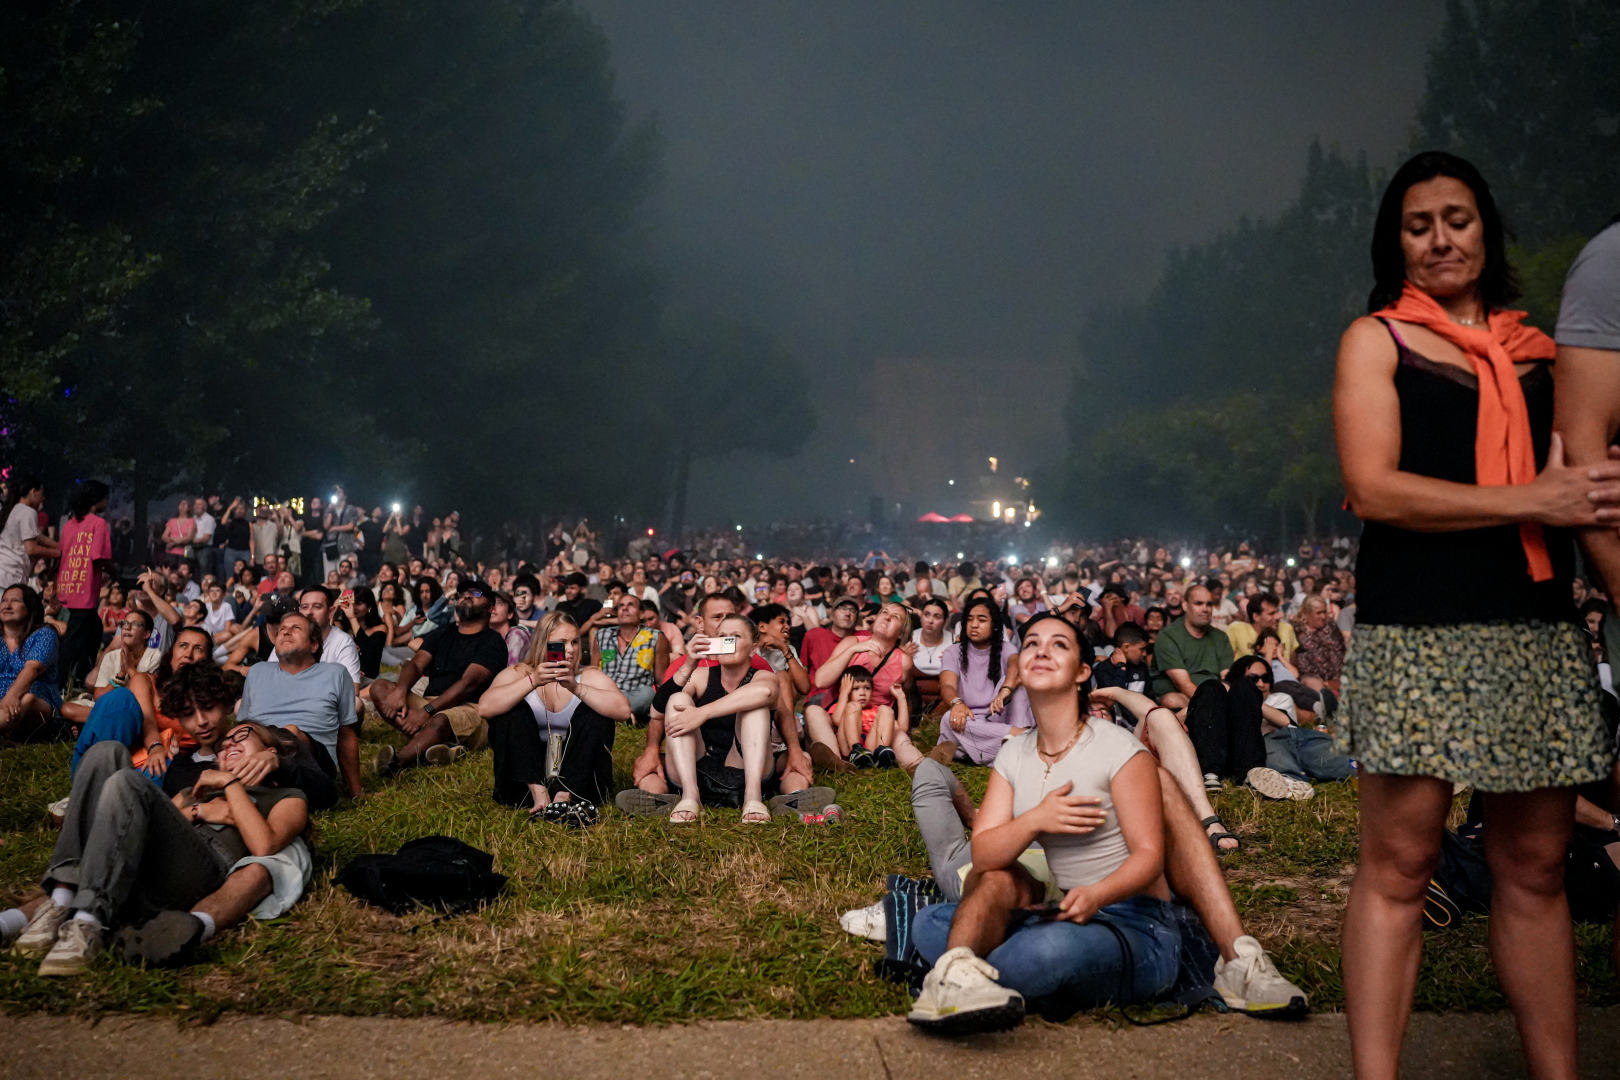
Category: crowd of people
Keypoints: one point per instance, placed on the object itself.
(214, 682)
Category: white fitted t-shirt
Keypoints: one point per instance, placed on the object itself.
(1103, 749)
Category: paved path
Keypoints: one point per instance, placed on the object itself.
(1441, 1047)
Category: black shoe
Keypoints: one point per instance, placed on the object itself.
(886, 759)
(862, 758)
(569, 813)
(169, 939)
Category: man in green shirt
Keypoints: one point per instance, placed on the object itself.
(1189, 651)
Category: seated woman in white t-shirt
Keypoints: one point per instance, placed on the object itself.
(1011, 938)
(932, 639)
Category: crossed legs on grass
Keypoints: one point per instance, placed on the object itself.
(1532, 941)
(1163, 734)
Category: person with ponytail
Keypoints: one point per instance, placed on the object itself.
(1467, 665)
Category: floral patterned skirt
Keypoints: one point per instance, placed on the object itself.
(1509, 706)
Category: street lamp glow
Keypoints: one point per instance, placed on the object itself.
(995, 509)
(1290, 562)
(1185, 562)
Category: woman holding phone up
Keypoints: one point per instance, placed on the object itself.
(551, 729)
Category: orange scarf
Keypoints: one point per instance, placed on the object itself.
(1503, 451)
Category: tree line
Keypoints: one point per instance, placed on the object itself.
(272, 244)
(1205, 406)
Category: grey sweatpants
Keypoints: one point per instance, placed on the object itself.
(125, 845)
(941, 826)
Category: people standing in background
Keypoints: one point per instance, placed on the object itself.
(86, 556)
(21, 539)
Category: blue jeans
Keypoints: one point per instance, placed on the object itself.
(1062, 968)
(115, 718)
(1305, 754)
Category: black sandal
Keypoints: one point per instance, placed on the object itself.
(1216, 838)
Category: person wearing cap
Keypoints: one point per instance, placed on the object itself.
(459, 662)
(819, 645)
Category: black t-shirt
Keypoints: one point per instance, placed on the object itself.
(453, 652)
(580, 610)
(1108, 673)
(237, 534)
(372, 532)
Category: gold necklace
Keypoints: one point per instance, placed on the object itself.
(1058, 756)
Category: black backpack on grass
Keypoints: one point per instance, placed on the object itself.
(434, 871)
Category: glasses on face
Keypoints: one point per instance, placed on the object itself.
(237, 737)
(470, 592)
(133, 624)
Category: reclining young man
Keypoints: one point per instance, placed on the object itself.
(791, 770)
(1245, 976)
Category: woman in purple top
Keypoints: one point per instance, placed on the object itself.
(978, 681)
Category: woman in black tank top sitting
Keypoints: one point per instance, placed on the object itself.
(722, 723)
(1466, 666)
(551, 729)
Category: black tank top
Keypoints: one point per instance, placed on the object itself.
(1475, 575)
(720, 733)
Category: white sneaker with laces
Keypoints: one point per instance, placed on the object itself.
(960, 995)
(1250, 983)
(39, 935)
(866, 922)
(1274, 785)
(76, 945)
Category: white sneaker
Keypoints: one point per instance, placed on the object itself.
(58, 810)
(76, 945)
(866, 922)
(1212, 782)
(39, 935)
(1250, 983)
(1274, 785)
(960, 995)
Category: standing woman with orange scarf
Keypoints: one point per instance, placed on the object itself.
(1466, 665)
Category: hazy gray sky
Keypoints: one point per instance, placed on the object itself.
(958, 180)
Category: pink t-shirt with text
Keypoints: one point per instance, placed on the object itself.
(78, 582)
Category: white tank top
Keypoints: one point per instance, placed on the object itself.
(548, 720)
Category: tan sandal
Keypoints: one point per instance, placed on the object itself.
(756, 813)
(686, 812)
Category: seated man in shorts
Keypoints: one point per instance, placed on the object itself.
(459, 662)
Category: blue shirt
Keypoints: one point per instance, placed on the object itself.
(319, 700)
(40, 646)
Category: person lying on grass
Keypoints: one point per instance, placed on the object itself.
(717, 727)
(1065, 775)
(551, 728)
(128, 857)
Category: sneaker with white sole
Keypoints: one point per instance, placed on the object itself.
(1274, 785)
(76, 945)
(1250, 983)
(960, 996)
(386, 761)
(39, 935)
(867, 922)
(1212, 782)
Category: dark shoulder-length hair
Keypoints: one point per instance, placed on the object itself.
(33, 603)
(998, 627)
(1498, 283)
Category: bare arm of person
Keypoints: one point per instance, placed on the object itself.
(754, 694)
(958, 714)
(1587, 413)
(472, 681)
(1367, 423)
(602, 694)
(164, 608)
(262, 835)
(509, 687)
(1181, 679)
(394, 695)
(829, 672)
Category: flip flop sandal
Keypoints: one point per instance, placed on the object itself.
(810, 800)
(755, 813)
(1216, 838)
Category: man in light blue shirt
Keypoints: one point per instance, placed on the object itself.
(318, 699)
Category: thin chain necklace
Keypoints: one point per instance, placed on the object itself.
(1058, 756)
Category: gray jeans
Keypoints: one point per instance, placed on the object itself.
(942, 831)
(125, 845)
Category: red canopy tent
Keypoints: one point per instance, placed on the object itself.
(966, 519)
(933, 517)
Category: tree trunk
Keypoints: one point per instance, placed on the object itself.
(683, 478)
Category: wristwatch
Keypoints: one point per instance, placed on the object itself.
(430, 708)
